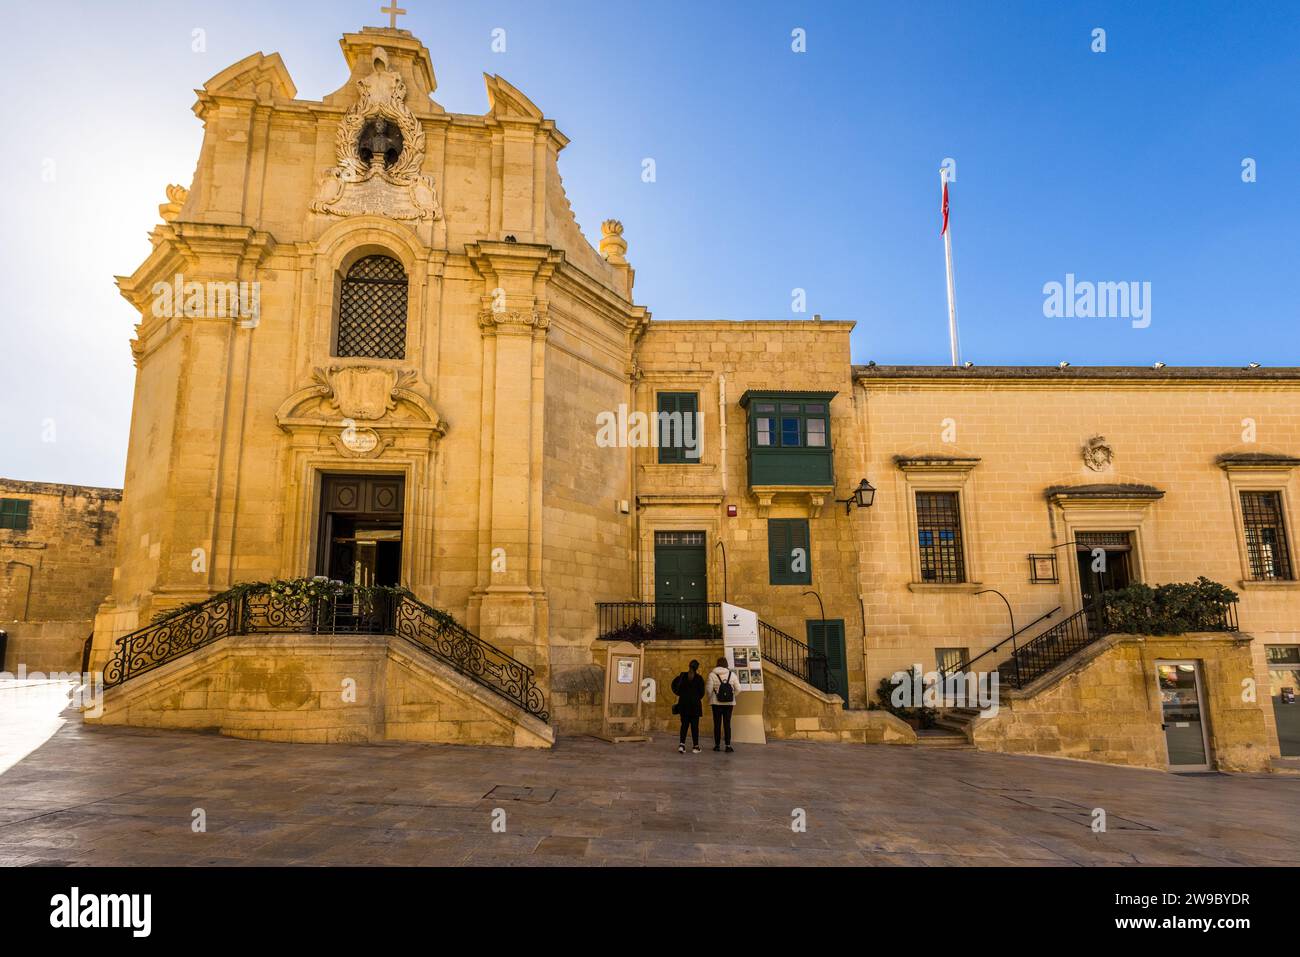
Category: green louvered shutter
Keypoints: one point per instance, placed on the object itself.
(784, 535)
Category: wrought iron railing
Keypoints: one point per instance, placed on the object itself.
(647, 620)
(446, 639)
(790, 654)
(260, 609)
(1034, 658)
(183, 631)
(639, 621)
(997, 650)
(1042, 654)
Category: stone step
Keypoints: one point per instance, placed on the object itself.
(934, 738)
(956, 726)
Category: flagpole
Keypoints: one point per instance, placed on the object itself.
(947, 255)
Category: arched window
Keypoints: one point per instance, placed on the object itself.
(372, 310)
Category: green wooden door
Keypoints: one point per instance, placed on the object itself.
(681, 581)
(831, 644)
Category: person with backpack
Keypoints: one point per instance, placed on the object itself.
(689, 688)
(722, 695)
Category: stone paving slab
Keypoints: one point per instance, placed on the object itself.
(78, 795)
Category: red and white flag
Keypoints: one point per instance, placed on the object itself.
(945, 208)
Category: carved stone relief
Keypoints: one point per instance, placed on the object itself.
(380, 185)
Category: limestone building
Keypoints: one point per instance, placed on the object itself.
(57, 544)
(375, 346)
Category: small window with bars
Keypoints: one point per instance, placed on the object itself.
(938, 537)
(1266, 544)
(15, 513)
(679, 538)
(372, 310)
(950, 660)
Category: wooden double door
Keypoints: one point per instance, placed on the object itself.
(361, 529)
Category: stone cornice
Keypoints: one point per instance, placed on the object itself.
(935, 463)
(199, 251)
(1256, 461)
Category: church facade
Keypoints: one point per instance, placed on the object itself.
(376, 347)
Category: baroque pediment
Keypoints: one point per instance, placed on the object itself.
(361, 409)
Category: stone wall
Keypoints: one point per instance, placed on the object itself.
(1104, 705)
(46, 646)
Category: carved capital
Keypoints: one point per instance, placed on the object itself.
(512, 321)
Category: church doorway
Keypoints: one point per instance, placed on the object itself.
(361, 527)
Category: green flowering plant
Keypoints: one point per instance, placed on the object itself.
(1172, 609)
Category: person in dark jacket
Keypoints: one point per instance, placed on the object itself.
(689, 688)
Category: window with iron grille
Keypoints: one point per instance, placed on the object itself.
(938, 535)
(372, 310)
(15, 513)
(679, 538)
(951, 659)
(1266, 544)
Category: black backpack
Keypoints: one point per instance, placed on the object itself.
(726, 694)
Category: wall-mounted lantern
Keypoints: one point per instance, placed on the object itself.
(862, 497)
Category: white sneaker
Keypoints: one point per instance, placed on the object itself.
(695, 750)
(681, 749)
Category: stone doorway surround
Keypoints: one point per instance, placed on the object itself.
(1115, 507)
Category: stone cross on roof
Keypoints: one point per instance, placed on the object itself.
(393, 11)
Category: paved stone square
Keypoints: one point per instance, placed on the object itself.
(71, 794)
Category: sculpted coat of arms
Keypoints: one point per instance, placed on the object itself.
(379, 148)
(1097, 454)
(362, 392)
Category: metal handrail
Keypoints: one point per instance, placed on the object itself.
(965, 666)
(439, 634)
(790, 654)
(656, 620)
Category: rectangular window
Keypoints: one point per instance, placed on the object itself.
(1266, 544)
(679, 439)
(679, 538)
(938, 532)
(764, 424)
(15, 513)
(789, 553)
(951, 659)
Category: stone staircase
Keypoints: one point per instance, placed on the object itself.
(943, 736)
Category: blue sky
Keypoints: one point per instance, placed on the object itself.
(775, 170)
